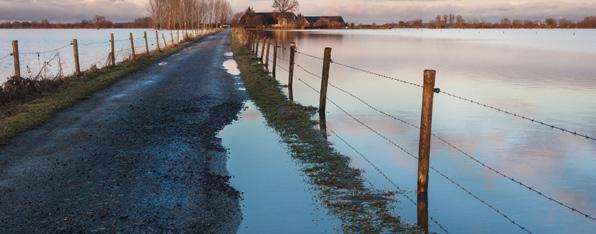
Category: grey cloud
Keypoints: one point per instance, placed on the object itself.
(70, 10)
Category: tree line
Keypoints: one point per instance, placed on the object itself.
(458, 21)
(97, 22)
(186, 14)
(164, 14)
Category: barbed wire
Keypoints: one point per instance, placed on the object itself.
(5, 57)
(533, 120)
(310, 55)
(511, 113)
(456, 148)
(44, 52)
(408, 153)
(94, 43)
(403, 192)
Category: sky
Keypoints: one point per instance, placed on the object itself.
(359, 11)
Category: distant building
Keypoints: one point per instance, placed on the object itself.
(268, 19)
(278, 20)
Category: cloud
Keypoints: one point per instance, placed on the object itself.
(366, 11)
(71, 10)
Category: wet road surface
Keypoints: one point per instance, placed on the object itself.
(139, 157)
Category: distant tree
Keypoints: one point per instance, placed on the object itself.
(505, 22)
(551, 23)
(285, 6)
(101, 21)
(322, 23)
(301, 22)
(565, 23)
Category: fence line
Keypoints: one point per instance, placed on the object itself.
(454, 147)
(408, 153)
(461, 98)
(327, 60)
(53, 54)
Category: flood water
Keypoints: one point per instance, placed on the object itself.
(275, 195)
(38, 46)
(549, 75)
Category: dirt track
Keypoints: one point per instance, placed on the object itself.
(138, 157)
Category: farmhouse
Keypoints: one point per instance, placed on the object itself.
(268, 19)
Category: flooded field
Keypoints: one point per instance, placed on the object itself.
(548, 75)
(40, 46)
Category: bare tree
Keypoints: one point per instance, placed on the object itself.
(189, 14)
(285, 6)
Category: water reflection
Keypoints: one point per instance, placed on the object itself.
(544, 74)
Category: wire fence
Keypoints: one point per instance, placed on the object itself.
(452, 146)
(458, 149)
(40, 71)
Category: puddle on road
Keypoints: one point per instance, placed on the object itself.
(231, 67)
(275, 196)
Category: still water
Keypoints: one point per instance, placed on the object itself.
(549, 75)
(275, 195)
(37, 46)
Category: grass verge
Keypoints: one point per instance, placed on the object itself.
(339, 186)
(19, 116)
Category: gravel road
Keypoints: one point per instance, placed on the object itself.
(139, 157)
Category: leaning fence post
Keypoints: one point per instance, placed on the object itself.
(267, 56)
(274, 59)
(146, 43)
(132, 46)
(291, 71)
(165, 43)
(157, 39)
(325, 81)
(113, 56)
(75, 48)
(17, 61)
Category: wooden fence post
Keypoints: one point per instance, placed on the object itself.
(267, 56)
(16, 59)
(132, 46)
(424, 147)
(172, 36)
(325, 80)
(274, 59)
(146, 43)
(425, 130)
(257, 48)
(157, 40)
(291, 71)
(113, 55)
(254, 43)
(75, 48)
(263, 51)
(165, 43)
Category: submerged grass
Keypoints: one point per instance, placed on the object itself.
(340, 187)
(21, 115)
